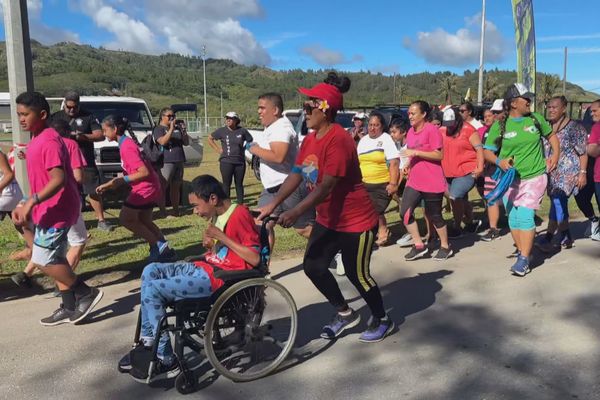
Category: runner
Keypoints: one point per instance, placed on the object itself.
(517, 143)
(346, 220)
(593, 150)
(462, 164)
(136, 213)
(569, 175)
(426, 181)
(379, 164)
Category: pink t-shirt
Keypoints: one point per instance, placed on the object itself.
(146, 190)
(425, 175)
(595, 139)
(46, 151)
(75, 154)
(460, 158)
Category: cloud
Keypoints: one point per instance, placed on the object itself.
(386, 69)
(40, 31)
(180, 26)
(460, 48)
(568, 37)
(283, 37)
(328, 58)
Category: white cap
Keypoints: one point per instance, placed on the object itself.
(498, 105)
(449, 117)
(359, 115)
(232, 114)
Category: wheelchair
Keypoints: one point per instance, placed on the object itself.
(246, 329)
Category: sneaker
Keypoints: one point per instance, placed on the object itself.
(492, 233)
(339, 265)
(168, 255)
(514, 254)
(161, 371)
(105, 226)
(566, 242)
(592, 228)
(443, 254)
(596, 234)
(22, 280)
(415, 253)
(454, 233)
(377, 331)
(474, 226)
(339, 324)
(405, 241)
(59, 316)
(86, 304)
(521, 267)
(124, 365)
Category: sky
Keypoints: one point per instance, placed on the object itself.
(387, 36)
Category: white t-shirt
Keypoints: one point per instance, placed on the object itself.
(476, 123)
(282, 130)
(404, 160)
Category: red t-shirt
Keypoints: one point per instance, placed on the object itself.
(241, 228)
(75, 154)
(348, 207)
(47, 151)
(595, 139)
(460, 158)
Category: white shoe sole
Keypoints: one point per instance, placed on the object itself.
(349, 326)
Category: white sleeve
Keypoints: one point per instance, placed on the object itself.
(389, 147)
(282, 134)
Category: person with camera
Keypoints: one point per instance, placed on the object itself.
(85, 130)
(172, 135)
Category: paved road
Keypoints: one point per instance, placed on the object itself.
(467, 330)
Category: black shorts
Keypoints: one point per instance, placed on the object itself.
(147, 206)
(379, 197)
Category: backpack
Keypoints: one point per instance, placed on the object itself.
(152, 151)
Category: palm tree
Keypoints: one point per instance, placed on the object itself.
(448, 85)
(491, 88)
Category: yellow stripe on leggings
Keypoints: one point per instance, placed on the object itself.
(363, 251)
(368, 260)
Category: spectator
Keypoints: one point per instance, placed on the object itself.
(462, 164)
(172, 135)
(346, 220)
(379, 164)
(52, 206)
(136, 213)
(232, 162)
(522, 149)
(593, 150)
(467, 112)
(276, 148)
(425, 181)
(85, 129)
(359, 129)
(569, 175)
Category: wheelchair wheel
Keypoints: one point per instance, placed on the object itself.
(250, 329)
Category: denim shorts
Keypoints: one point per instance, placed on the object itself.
(460, 187)
(50, 246)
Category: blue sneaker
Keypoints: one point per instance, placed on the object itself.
(339, 324)
(521, 267)
(377, 331)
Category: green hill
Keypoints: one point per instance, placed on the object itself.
(172, 78)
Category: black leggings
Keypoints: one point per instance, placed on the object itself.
(356, 249)
(411, 199)
(584, 197)
(237, 171)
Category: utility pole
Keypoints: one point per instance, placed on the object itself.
(205, 103)
(565, 73)
(394, 91)
(481, 47)
(20, 74)
(221, 106)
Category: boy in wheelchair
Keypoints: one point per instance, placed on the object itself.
(233, 243)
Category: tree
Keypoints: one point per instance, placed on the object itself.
(491, 88)
(547, 87)
(448, 87)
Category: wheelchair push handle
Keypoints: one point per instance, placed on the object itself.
(267, 219)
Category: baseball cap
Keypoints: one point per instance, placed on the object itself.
(449, 117)
(518, 90)
(498, 105)
(232, 114)
(359, 115)
(327, 92)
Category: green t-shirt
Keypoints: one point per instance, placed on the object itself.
(522, 142)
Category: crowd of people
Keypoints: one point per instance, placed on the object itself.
(334, 189)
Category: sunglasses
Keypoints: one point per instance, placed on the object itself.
(462, 110)
(72, 107)
(496, 112)
(309, 106)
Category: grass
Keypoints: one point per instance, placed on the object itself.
(119, 251)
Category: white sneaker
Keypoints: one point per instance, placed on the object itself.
(339, 268)
(595, 230)
(405, 241)
(596, 235)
